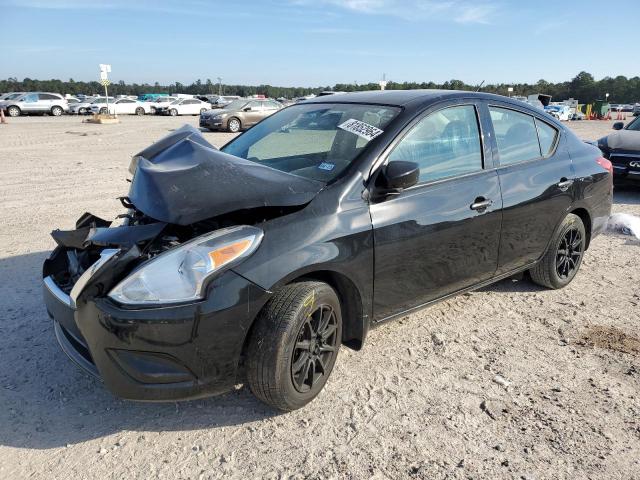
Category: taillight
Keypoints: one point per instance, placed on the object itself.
(606, 164)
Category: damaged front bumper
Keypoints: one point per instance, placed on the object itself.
(163, 353)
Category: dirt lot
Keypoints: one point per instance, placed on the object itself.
(511, 381)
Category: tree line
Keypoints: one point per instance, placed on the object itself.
(583, 87)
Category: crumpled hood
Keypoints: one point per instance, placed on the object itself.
(182, 179)
(624, 140)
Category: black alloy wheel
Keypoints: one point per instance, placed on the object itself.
(563, 258)
(315, 348)
(294, 344)
(569, 253)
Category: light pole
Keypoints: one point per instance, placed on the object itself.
(219, 85)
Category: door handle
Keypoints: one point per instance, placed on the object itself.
(480, 204)
(565, 184)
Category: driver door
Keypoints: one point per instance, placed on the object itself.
(443, 234)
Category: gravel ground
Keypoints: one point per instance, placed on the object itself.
(511, 381)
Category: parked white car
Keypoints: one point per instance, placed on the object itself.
(83, 107)
(160, 102)
(184, 106)
(122, 106)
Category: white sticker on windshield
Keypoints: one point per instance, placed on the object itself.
(362, 129)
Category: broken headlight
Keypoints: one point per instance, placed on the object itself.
(179, 274)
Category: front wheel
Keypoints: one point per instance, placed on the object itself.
(234, 125)
(173, 112)
(202, 110)
(294, 345)
(103, 111)
(14, 111)
(564, 257)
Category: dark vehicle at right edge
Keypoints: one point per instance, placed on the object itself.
(255, 263)
(622, 148)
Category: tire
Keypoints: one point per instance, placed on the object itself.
(173, 112)
(202, 110)
(81, 111)
(234, 125)
(56, 111)
(14, 111)
(140, 111)
(103, 111)
(562, 261)
(284, 348)
(153, 110)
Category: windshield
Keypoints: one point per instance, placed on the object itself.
(315, 141)
(165, 99)
(236, 105)
(13, 95)
(635, 125)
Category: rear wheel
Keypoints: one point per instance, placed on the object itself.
(56, 111)
(140, 111)
(563, 259)
(202, 110)
(103, 111)
(14, 111)
(294, 345)
(234, 125)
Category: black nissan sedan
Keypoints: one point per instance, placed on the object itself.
(257, 262)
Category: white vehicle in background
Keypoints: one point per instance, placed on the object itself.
(184, 106)
(122, 106)
(84, 107)
(160, 102)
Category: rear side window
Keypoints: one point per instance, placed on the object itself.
(48, 96)
(547, 135)
(516, 136)
(444, 144)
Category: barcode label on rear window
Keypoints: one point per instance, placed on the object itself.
(362, 129)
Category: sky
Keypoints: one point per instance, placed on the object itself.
(317, 42)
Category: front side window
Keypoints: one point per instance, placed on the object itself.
(313, 141)
(444, 144)
(31, 98)
(516, 136)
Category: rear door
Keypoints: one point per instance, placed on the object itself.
(537, 181)
(441, 235)
(254, 115)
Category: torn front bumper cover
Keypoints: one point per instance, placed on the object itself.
(160, 353)
(164, 353)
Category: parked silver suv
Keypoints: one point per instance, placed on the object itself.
(36, 102)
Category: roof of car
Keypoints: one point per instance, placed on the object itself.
(401, 97)
(386, 97)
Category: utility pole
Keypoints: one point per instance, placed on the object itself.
(219, 85)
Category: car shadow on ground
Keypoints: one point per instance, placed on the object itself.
(48, 402)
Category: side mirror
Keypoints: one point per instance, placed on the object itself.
(246, 109)
(395, 177)
(618, 126)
